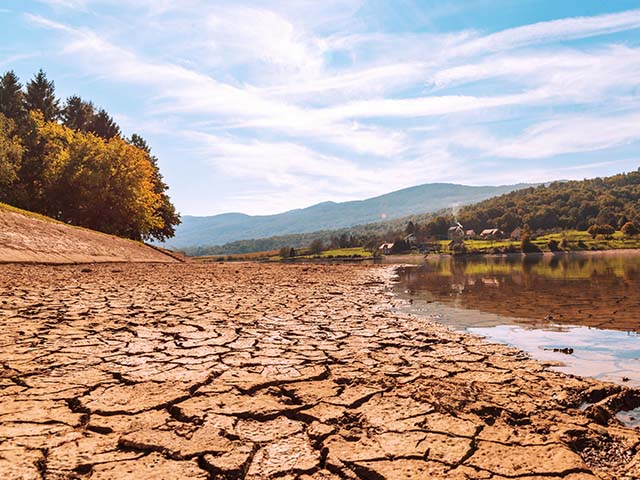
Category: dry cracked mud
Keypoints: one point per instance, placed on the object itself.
(247, 371)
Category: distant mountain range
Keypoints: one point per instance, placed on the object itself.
(228, 227)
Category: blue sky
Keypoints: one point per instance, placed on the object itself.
(264, 106)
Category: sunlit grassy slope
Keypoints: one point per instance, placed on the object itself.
(573, 239)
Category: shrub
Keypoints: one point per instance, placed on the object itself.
(316, 247)
(527, 246)
(630, 229)
(605, 230)
(553, 245)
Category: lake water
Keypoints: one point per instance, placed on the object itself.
(586, 302)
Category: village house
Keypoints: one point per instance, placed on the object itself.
(386, 248)
(455, 233)
(470, 234)
(491, 233)
(411, 240)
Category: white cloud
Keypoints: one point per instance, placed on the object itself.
(553, 31)
(565, 134)
(73, 4)
(614, 65)
(243, 35)
(571, 134)
(309, 100)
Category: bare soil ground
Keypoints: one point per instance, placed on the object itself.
(35, 239)
(246, 371)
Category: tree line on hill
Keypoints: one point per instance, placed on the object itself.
(71, 162)
(569, 205)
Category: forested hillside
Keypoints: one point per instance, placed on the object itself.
(561, 205)
(70, 161)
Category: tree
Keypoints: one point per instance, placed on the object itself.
(526, 245)
(166, 211)
(45, 146)
(316, 247)
(438, 227)
(410, 229)
(104, 126)
(12, 98)
(105, 186)
(41, 96)
(630, 229)
(78, 114)
(400, 246)
(10, 156)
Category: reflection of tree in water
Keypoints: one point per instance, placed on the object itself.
(598, 290)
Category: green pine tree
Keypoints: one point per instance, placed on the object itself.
(104, 126)
(78, 114)
(12, 98)
(41, 96)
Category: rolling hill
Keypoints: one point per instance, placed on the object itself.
(230, 227)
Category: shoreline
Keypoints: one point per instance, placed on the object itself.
(621, 251)
(295, 371)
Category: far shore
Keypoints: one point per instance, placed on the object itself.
(611, 251)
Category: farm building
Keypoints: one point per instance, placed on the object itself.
(491, 233)
(385, 248)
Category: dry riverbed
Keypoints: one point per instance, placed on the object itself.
(231, 371)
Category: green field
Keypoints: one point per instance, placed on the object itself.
(573, 239)
(345, 253)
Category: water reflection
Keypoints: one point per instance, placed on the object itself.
(600, 291)
(589, 302)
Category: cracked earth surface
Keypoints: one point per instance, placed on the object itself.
(247, 371)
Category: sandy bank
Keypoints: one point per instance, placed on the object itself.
(33, 239)
(276, 371)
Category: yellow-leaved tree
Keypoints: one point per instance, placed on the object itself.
(10, 155)
(105, 185)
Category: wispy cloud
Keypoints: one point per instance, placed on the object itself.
(314, 100)
(570, 135)
(553, 31)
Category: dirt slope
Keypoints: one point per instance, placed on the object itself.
(26, 237)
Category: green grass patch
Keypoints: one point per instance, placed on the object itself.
(575, 241)
(346, 252)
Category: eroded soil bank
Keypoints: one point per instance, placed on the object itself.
(231, 371)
